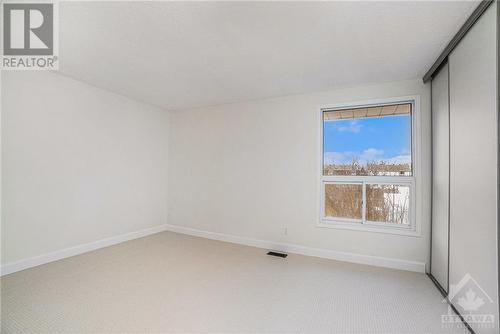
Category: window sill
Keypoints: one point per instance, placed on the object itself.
(411, 232)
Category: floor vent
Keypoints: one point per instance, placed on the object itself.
(277, 254)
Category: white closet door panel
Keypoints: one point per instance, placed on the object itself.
(473, 162)
(440, 177)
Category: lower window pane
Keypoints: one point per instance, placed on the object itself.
(343, 200)
(387, 203)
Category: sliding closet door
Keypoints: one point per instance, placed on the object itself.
(440, 177)
(473, 162)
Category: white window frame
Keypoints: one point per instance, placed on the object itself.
(413, 228)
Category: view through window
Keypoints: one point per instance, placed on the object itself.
(367, 164)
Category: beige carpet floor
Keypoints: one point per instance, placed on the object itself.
(169, 282)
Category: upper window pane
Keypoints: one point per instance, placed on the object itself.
(368, 141)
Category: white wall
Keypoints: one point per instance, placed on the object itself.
(252, 169)
(79, 164)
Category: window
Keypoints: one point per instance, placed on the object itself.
(367, 172)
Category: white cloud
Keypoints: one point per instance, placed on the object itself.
(371, 154)
(399, 159)
(338, 157)
(405, 151)
(353, 127)
(347, 156)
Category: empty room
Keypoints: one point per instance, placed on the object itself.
(250, 167)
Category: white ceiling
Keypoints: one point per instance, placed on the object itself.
(185, 54)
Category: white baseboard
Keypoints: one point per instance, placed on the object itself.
(10, 268)
(282, 247)
(296, 249)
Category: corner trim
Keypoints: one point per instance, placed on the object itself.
(303, 250)
(35, 261)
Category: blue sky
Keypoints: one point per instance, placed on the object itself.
(384, 138)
